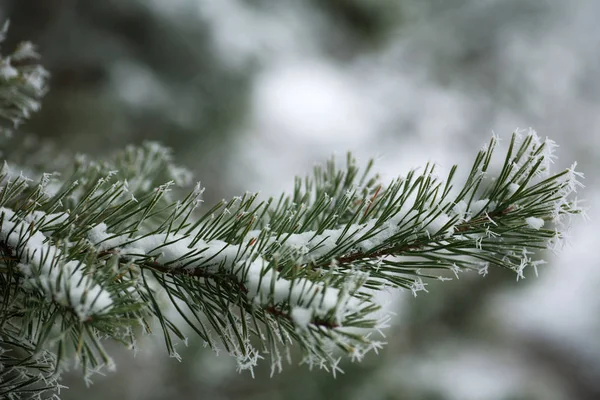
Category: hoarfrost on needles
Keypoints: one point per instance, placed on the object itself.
(47, 269)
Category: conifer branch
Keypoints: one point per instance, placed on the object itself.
(22, 84)
(108, 247)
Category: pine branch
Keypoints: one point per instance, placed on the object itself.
(22, 84)
(106, 248)
(299, 278)
(283, 273)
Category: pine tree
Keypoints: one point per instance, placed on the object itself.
(114, 249)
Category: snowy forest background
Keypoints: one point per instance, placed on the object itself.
(251, 93)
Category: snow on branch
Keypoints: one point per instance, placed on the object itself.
(22, 84)
(316, 263)
(117, 249)
(45, 268)
(262, 284)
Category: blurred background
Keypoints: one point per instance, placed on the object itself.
(251, 93)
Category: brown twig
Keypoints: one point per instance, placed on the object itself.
(372, 199)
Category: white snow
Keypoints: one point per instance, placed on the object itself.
(7, 71)
(478, 206)
(435, 225)
(52, 219)
(263, 283)
(103, 240)
(534, 223)
(512, 188)
(36, 80)
(322, 244)
(460, 209)
(301, 316)
(97, 234)
(24, 51)
(43, 264)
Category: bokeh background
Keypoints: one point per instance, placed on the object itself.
(251, 93)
